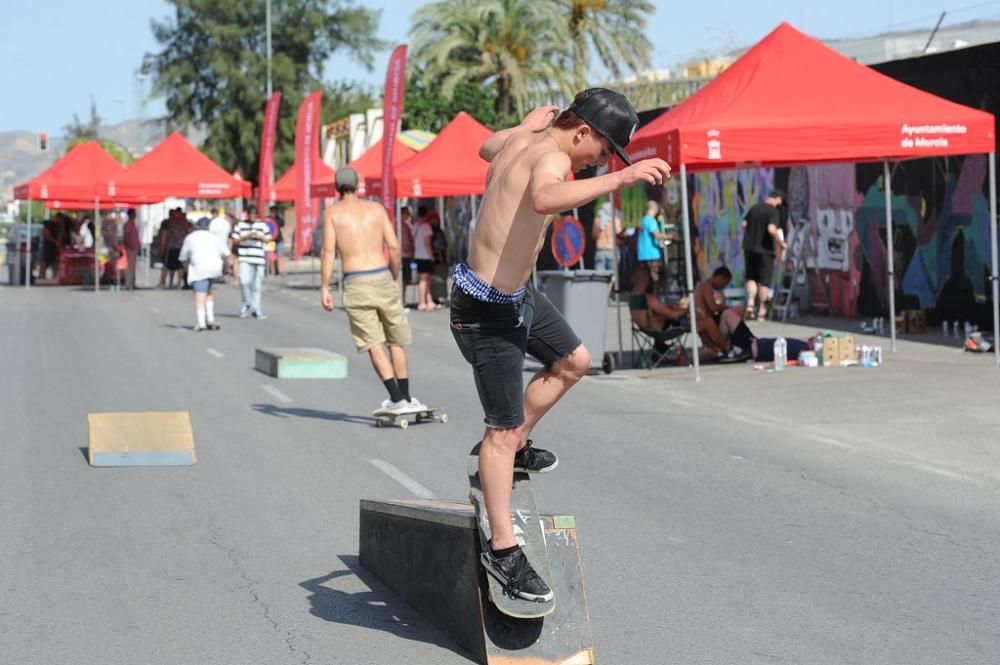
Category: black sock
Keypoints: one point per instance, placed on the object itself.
(504, 552)
(404, 387)
(394, 393)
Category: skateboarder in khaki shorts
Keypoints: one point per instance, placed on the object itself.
(360, 230)
(496, 314)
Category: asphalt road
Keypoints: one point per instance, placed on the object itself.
(814, 516)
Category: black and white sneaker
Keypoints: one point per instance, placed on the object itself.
(518, 578)
(534, 460)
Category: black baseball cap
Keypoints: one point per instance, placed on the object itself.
(346, 177)
(610, 114)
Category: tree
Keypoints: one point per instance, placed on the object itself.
(516, 46)
(115, 150)
(79, 130)
(427, 108)
(614, 29)
(212, 67)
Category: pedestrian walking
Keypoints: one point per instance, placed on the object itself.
(251, 238)
(762, 241)
(359, 230)
(204, 254)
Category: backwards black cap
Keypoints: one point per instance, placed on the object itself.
(610, 114)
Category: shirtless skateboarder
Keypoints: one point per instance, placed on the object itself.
(359, 230)
(497, 315)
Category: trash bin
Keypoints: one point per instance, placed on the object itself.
(582, 297)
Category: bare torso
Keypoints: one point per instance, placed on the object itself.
(604, 236)
(509, 233)
(359, 226)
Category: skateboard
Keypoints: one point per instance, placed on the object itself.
(402, 420)
(530, 536)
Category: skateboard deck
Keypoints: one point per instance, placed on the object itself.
(530, 536)
(402, 420)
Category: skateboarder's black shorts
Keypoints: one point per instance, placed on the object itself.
(494, 338)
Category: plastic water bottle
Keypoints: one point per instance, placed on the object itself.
(413, 272)
(944, 328)
(956, 329)
(780, 354)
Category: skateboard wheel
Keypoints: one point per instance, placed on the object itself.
(378, 422)
(444, 417)
(404, 423)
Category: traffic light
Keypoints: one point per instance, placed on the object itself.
(43, 141)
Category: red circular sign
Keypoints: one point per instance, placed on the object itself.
(568, 241)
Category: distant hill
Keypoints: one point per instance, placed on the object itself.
(21, 160)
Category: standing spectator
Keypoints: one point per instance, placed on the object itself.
(278, 233)
(406, 244)
(109, 239)
(171, 241)
(251, 239)
(272, 245)
(221, 228)
(648, 246)
(761, 240)
(607, 228)
(204, 253)
(423, 254)
(132, 244)
(51, 246)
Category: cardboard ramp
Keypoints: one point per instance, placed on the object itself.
(152, 438)
(294, 363)
(427, 552)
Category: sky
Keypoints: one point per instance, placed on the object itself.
(56, 54)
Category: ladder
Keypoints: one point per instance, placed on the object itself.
(792, 278)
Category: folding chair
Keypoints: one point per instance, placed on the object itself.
(647, 341)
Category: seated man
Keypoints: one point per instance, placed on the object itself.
(715, 322)
(647, 311)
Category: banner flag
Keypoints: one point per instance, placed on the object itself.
(264, 176)
(306, 154)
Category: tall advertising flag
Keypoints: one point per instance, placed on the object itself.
(264, 184)
(306, 154)
(392, 111)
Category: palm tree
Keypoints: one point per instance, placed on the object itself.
(615, 29)
(517, 46)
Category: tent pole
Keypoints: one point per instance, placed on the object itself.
(27, 252)
(995, 249)
(690, 273)
(614, 279)
(399, 243)
(887, 187)
(97, 238)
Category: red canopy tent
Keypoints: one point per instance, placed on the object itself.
(284, 188)
(177, 168)
(77, 176)
(449, 166)
(75, 180)
(792, 100)
(368, 166)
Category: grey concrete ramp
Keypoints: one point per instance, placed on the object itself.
(427, 552)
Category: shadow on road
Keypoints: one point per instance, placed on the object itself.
(289, 411)
(375, 608)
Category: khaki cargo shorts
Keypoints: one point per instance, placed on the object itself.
(375, 309)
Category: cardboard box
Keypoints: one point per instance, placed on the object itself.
(847, 351)
(916, 321)
(839, 351)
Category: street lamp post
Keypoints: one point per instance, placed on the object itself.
(267, 21)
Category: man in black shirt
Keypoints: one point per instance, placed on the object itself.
(762, 240)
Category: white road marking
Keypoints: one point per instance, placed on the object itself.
(831, 442)
(215, 353)
(276, 394)
(410, 484)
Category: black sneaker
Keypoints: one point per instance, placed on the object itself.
(518, 578)
(212, 325)
(534, 460)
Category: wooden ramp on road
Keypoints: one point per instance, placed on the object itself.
(427, 552)
(151, 438)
